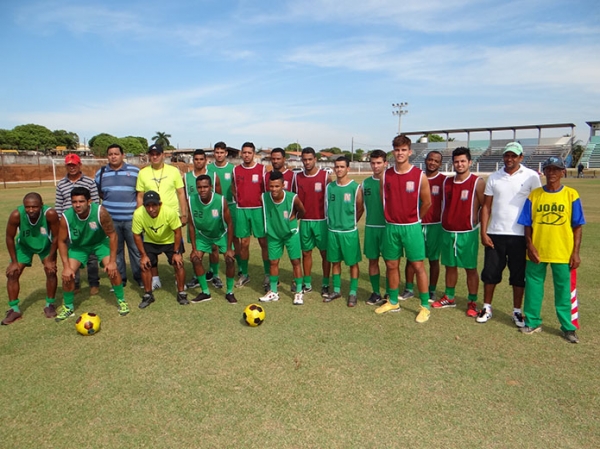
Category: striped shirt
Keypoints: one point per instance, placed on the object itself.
(63, 192)
(119, 195)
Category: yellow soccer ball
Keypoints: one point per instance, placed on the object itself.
(88, 324)
(254, 315)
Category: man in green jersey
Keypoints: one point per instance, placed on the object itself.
(90, 230)
(37, 226)
(344, 206)
(281, 209)
(161, 228)
(210, 226)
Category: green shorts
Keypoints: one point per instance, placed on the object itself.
(101, 250)
(405, 240)
(373, 242)
(344, 246)
(292, 244)
(205, 244)
(25, 255)
(249, 222)
(460, 249)
(313, 233)
(433, 240)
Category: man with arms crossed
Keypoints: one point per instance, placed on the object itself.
(32, 229)
(503, 238)
(278, 164)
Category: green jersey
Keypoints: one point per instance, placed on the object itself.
(340, 204)
(277, 216)
(225, 175)
(373, 204)
(34, 237)
(190, 182)
(209, 219)
(87, 232)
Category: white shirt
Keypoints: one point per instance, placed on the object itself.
(509, 193)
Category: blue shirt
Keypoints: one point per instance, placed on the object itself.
(119, 195)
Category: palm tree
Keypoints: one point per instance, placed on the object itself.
(162, 139)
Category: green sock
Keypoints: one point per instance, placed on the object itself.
(450, 292)
(325, 282)
(353, 286)
(229, 283)
(203, 283)
(472, 297)
(387, 286)
(68, 298)
(238, 259)
(307, 280)
(274, 280)
(244, 267)
(424, 297)
(410, 286)
(375, 282)
(267, 266)
(298, 285)
(14, 305)
(337, 283)
(119, 293)
(394, 292)
(214, 267)
(432, 289)
(49, 301)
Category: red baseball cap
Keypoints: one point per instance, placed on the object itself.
(72, 159)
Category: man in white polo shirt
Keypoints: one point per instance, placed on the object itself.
(503, 238)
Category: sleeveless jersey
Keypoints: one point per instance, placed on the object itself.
(208, 218)
(436, 186)
(341, 206)
(249, 185)
(277, 216)
(401, 192)
(373, 205)
(288, 180)
(190, 182)
(225, 175)
(36, 237)
(457, 212)
(85, 233)
(311, 191)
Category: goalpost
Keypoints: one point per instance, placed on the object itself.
(61, 161)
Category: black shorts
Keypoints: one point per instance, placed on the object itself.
(153, 251)
(508, 249)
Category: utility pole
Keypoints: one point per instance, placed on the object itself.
(352, 150)
(401, 110)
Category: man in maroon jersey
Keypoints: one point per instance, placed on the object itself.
(278, 164)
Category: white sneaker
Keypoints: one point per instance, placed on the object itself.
(485, 314)
(269, 297)
(298, 299)
(156, 284)
(518, 319)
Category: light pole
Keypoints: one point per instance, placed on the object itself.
(401, 110)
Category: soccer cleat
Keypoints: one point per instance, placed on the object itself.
(202, 297)
(443, 303)
(571, 337)
(209, 275)
(193, 283)
(12, 316)
(156, 284)
(242, 280)
(472, 309)
(518, 319)
(217, 282)
(406, 294)
(94, 290)
(331, 296)
(424, 314)
(64, 313)
(431, 298)
(298, 299)
(530, 330)
(306, 289)
(485, 314)
(147, 299)
(352, 300)
(269, 297)
(387, 307)
(293, 287)
(267, 283)
(123, 308)
(375, 299)
(325, 291)
(50, 311)
(182, 299)
(230, 297)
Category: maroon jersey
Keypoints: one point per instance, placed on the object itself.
(401, 193)
(311, 191)
(457, 212)
(288, 180)
(436, 186)
(249, 185)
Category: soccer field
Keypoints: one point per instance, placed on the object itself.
(312, 376)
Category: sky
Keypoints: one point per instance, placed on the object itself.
(321, 73)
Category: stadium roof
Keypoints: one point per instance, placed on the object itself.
(490, 129)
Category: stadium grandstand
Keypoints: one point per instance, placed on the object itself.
(591, 155)
(487, 153)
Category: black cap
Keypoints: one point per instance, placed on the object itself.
(151, 197)
(155, 147)
(553, 162)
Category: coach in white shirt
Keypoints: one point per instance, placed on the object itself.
(503, 238)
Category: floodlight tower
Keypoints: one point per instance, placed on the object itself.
(401, 110)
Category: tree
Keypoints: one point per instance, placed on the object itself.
(143, 141)
(334, 150)
(66, 139)
(162, 139)
(293, 147)
(359, 154)
(8, 140)
(132, 145)
(435, 138)
(100, 142)
(577, 152)
(34, 137)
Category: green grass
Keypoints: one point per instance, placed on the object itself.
(320, 375)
